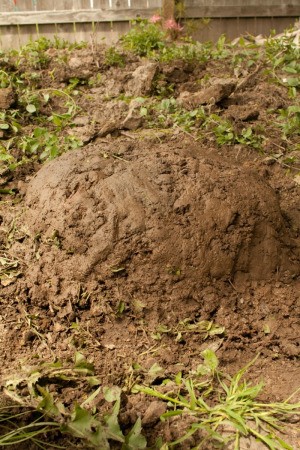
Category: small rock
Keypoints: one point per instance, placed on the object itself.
(211, 95)
(85, 133)
(81, 120)
(112, 88)
(153, 412)
(242, 112)
(109, 127)
(133, 119)
(7, 98)
(75, 62)
(269, 160)
(22, 187)
(297, 179)
(132, 123)
(142, 79)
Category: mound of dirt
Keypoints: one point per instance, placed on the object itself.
(169, 232)
(167, 220)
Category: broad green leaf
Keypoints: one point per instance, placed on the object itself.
(82, 365)
(190, 387)
(46, 97)
(114, 430)
(93, 381)
(85, 426)
(31, 108)
(210, 359)
(91, 397)
(47, 403)
(134, 439)
(7, 191)
(5, 157)
(155, 369)
(112, 394)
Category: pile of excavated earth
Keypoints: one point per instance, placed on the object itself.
(124, 247)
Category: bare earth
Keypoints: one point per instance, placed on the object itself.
(143, 228)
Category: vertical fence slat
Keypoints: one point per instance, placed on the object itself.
(24, 5)
(45, 5)
(140, 4)
(154, 3)
(101, 4)
(81, 4)
(6, 5)
(119, 4)
(63, 5)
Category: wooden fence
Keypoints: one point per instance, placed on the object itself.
(78, 20)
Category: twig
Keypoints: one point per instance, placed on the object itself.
(113, 155)
(123, 133)
(246, 80)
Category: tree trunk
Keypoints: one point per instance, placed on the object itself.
(168, 9)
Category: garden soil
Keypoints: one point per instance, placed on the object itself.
(121, 243)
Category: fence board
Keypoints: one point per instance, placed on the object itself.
(118, 4)
(234, 27)
(241, 8)
(64, 5)
(101, 4)
(154, 3)
(45, 5)
(6, 5)
(96, 19)
(25, 5)
(232, 3)
(42, 17)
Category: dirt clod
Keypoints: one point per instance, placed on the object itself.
(7, 98)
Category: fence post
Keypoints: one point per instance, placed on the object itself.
(168, 9)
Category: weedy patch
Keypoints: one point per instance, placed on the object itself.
(188, 326)
(289, 121)
(222, 409)
(143, 38)
(38, 391)
(114, 58)
(9, 269)
(283, 54)
(200, 122)
(46, 145)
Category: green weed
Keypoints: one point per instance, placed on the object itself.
(143, 38)
(114, 58)
(5, 79)
(47, 145)
(189, 52)
(168, 113)
(35, 54)
(204, 328)
(80, 420)
(283, 55)
(216, 402)
(9, 121)
(289, 120)
(226, 135)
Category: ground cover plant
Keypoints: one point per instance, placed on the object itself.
(149, 243)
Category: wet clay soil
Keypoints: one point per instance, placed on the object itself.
(143, 228)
